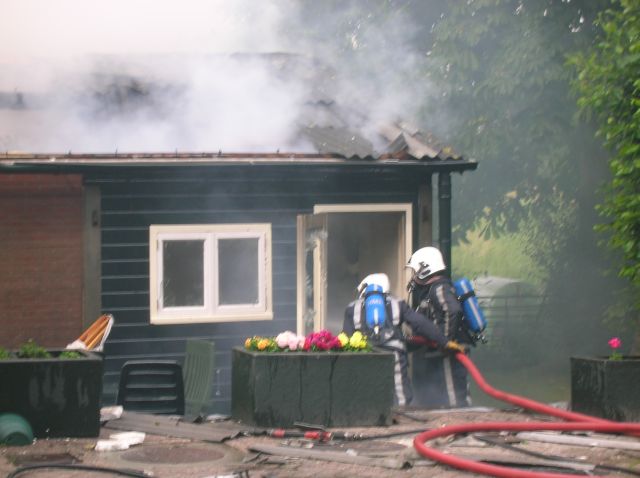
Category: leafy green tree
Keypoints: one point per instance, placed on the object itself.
(507, 102)
(608, 83)
(608, 87)
(502, 68)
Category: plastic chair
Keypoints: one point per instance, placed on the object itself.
(152, 386)
(198, 372)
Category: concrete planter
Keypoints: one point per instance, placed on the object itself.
(332, 389)
(606, 388)
(59, 397)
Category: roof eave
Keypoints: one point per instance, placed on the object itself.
(47, 162)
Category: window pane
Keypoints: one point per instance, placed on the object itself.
(238, 271)
(183, 273)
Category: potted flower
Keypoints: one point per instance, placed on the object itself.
(57, 391)
(607, 386)
(321, 378)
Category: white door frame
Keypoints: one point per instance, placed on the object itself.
(405, 249)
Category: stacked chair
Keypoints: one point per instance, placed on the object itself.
(164, 387)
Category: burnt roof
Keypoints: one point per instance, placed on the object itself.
(324, 131)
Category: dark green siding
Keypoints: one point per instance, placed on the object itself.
(133, 199)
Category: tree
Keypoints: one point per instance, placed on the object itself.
(608, 84)
(491, 79)
(509, 104)
(502, 67)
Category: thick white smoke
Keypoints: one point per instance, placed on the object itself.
(195, 75)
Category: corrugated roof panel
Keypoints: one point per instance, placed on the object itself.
(330, 140)
(410, 140)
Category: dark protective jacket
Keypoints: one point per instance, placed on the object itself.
(439, 302)
(440, 380)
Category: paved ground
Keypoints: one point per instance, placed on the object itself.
(170, 457)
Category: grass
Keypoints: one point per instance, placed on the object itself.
(541, 383)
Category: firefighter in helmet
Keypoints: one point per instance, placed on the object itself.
(379, 316)
(440, 379)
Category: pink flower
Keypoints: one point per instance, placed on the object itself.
(295, 342)
(322, 341)
(291, 340)
(282, 340)
(615, 342)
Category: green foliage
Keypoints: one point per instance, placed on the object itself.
(32, 350)
(541, 169)
(502, 65)
(500, 256)
(609, 87)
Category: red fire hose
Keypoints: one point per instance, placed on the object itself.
(581, 423)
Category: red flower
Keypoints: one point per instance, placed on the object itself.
(615, 342)
(322, 341)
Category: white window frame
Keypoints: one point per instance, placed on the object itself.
(211, 311)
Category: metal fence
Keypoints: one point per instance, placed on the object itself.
(512, 319)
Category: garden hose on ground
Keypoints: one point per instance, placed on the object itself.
(88, 468)
(580, 421)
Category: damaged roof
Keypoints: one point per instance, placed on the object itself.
(324, 131)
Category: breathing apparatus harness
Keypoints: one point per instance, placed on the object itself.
(376, 306)
(473, 321)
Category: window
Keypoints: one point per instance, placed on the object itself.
(210, 273)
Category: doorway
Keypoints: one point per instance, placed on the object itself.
(338, 246)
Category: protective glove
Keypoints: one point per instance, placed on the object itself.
(454, 346)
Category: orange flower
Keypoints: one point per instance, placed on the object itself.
(247, 343)
(263, 344)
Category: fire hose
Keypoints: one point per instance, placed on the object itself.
(580, 422)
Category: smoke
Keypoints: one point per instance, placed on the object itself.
(67, 29)
(200, 75)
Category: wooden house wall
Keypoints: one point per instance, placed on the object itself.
(133, 199)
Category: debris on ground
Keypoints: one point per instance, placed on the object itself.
(176, 448)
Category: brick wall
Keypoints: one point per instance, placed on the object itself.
(41, 259)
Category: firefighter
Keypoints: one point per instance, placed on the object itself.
(440, 378)
(379, 316)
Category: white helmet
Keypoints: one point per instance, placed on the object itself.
(378, 279)
(425, 262)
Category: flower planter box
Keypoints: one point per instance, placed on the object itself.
(59, 397)
(332, 389)
(606, 388)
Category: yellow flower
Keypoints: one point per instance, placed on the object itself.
(342, 337)
(263, 344)
(363, 343)
(356, 339)
(247, 343)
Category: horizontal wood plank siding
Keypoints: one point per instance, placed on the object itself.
(134, 199)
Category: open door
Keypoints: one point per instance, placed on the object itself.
(338, 246)
(312, 272)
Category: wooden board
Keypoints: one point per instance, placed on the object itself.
(174, 427)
